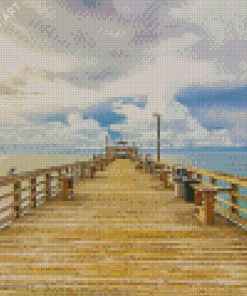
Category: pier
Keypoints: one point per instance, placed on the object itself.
(114, 226)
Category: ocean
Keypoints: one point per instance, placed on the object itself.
(30, 162)
(228, 162)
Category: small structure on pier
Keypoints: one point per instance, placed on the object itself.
(122, 150)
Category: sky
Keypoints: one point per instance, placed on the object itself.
(75, 71)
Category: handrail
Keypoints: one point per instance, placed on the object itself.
(205, 195)
(44, 185)
(58, 181)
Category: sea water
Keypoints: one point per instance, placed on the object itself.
(30, 162)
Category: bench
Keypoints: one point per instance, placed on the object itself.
(205, 196)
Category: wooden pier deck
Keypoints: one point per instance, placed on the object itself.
(123, 235)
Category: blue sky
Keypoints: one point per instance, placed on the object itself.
(201, 101)
(91, 3)
(210, 98)
(73, 72)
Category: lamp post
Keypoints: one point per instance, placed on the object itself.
(106, 144)
(158, 135)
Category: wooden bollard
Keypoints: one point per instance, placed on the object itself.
(17, 198)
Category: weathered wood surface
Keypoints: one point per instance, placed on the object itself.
(123, 235)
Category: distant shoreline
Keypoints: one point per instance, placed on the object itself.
(141, 150)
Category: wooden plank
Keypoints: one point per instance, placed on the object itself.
(205, 187)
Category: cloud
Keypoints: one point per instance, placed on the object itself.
(224, 38)
(78, 57)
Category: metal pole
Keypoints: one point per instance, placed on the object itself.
(158, 138)
(106, 144)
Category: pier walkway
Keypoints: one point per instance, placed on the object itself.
(123, 234)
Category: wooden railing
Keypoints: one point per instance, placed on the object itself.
(205, 193)
(20, 194)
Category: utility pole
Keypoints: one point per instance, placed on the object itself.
(158, 135)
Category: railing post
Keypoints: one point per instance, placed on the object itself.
(59, 178)
(199, 178)
(213, 181)
(65, 188)
(33, 193)
(190, 175)
(82, 171)
(164, 179)
(71, 187)
(77, 172)
(209, 207)
(234, 199)
(145, 163)
(91, 171)
(173, 175)
(48, 186)
(198, 197)
(74, 173)
(17, 198)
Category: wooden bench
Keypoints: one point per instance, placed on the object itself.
(205, 196)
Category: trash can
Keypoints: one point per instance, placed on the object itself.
(180, 178)
(189, 190)
(150, 166)
(179, 188)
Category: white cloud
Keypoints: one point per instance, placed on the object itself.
(223, 18)
(93, 59)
